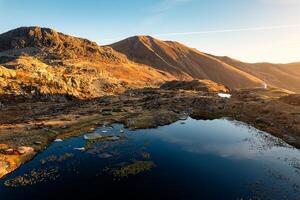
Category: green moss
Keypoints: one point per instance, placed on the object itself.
(109, 138)
(34, 177)
(134, 168)
(152, 119)
(54, 158)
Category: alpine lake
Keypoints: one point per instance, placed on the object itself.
(189, 159)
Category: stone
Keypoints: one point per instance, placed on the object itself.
(64, 127)
(80, 149)
(38, 143)
(3, 146)
(9, 151)
(105, 155)
(3, 167)
(106, 111)
(25, 150)
(92, 136)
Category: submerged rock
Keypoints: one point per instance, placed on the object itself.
(146, 155)
(51, 158)
(105, 155)
(80, 149)
(92, 136)
(113, 138)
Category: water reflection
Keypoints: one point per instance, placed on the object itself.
(217, 159)
(226, 139)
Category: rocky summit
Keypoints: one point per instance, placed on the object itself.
(53, 45)
(41, 62)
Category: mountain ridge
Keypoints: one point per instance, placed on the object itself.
(286, 76)
(50, 62)
(185, 60)
(44, 62)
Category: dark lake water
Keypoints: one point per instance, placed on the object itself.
(191, 159)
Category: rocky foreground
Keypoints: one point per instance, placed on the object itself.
(27, 126)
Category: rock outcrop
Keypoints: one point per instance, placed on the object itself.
(40, 63)
(54, 45)
(195, 85)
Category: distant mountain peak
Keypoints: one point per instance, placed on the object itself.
(137, 60)
(182, 61)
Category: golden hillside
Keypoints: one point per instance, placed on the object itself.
(285, 76)
(41, 61)
(183, 62)
(38, 61)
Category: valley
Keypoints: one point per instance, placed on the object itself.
(56, 87)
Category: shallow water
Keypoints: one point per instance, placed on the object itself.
(191, 159)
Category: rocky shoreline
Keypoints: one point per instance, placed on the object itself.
(32, 124)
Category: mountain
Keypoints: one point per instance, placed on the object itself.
(183, 62)
(40, 61)
(286, 76)
(53, 45)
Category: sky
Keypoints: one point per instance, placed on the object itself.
(249, 30)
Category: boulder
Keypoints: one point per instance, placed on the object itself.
(92, 136)
(25, 150)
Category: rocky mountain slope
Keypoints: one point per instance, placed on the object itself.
(183, 62)
(285, 76)
(41, 61)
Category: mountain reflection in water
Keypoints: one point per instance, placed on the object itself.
(190, 159)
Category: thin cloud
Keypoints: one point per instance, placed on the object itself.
(231, 30)
(217, 31)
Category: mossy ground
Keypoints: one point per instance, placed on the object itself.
(134, 168)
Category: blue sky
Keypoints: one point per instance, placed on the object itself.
(250, 30)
